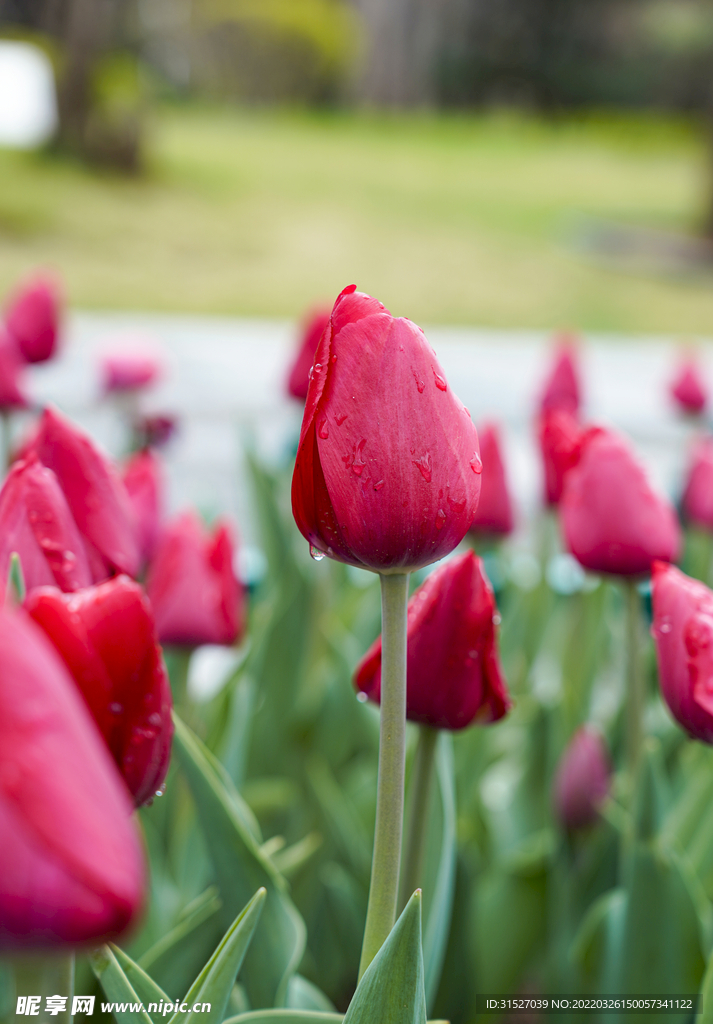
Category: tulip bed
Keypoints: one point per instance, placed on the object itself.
(558, 812)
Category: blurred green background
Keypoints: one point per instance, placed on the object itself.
(540, 165)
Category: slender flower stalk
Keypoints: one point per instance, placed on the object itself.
(383, 891)
(46, 975)
(417, 817)
(635, 695)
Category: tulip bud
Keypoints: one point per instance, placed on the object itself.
(582, 779)
(298, 380)
(453, 674)
(687, 389)
(107, 639)
(387, 475)
(144, 484)
(71, 867)
(561, 439)
(35, 522)
(613, 521)
(561, 389)
(697, 501)
(12, 394)
(494, 513)
(128, 371)
(155, 431)
(94, 493)
(192, 586)
(33, 319)
(683, 632)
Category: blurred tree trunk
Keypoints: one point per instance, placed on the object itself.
(85, 31)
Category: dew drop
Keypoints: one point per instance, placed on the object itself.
(317, 367)
(161, 791)
(116, 708)
(497, 618)
(316, 553)
(323, 430)
(440, 382)
(665, 627)
(362, 697)
(420, 384)
(440, 519)
(476, 464)
(359, 461)
(340, 418)
(424, 465)
(378, 485)
(333, 360)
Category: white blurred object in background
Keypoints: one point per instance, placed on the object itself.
(28, 99)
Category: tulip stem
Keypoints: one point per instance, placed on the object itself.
(417, 816)
(384, 888)
(6, 440)
(46, 975)
(635, 696)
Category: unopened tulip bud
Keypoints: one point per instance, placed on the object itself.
(128, 372)
(298, 380)
(71, 866)
(388, 469)
(143, 479)
(494, 514)
(106, 637)
(12, 386)
(688, 389)
(613, 521)
(683, 632)
(560, 437)
(582, 779)
(453, 674)
(697, 501)
(561, 389)
(32, 319)
(192, 585)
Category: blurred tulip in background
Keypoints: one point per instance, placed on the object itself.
(688, 389)
(33, 318)
(143, 479)
(129, 371)
(494, 514)
(560, 436)
(697, 500)
(312, 331)
(562, 388)
(581, 782)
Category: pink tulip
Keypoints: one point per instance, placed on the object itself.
(494, 514)
(71, 867)
(36, 523)
(387, 475)
(192, 586)
(612, 519)
(298, 380)
(697, 499)
(453, 674)
(561, 438)
(143, 479)
(683, 631)
(94, 493)
(582, 779)
(129, 371)
(12, 387)
(561, 389)
(688, 389)
(33, 319)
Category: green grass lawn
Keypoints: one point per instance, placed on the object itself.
(453, 219)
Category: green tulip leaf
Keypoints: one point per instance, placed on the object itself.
(117, 987)
(143, 985)
(241, 868)
(303, 995)
(440, 882)
(215, 982)
(286, 1017)
(392, 987)
(705, 1008)
(175, 959)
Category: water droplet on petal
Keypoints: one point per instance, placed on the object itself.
(424, 464)
(323, 430)
(161, 791)
(317, 367)
(440, 519)
(476, 464)
(116, 708)
(316, 553)
(440, 382)
(333, 359)
(378, 485)
(362, 697)
(497, 618)
(340, 418)
(359, 462)
(420, 384)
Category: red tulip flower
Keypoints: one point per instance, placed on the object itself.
(582, 779)
(494, 514)
(94, 493)
(561, 390)
(12, 387)
(71, 866)
(387, 475)
(613, 521)
(33, 319)
(298, 380)
(192, 586)
(156, 431)
(688, 389)
(36, 523)
(453, 674)
(561, 439)
(683, 632)
(107, 639)
(128, 372)
(697, 499)
(144, 484)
